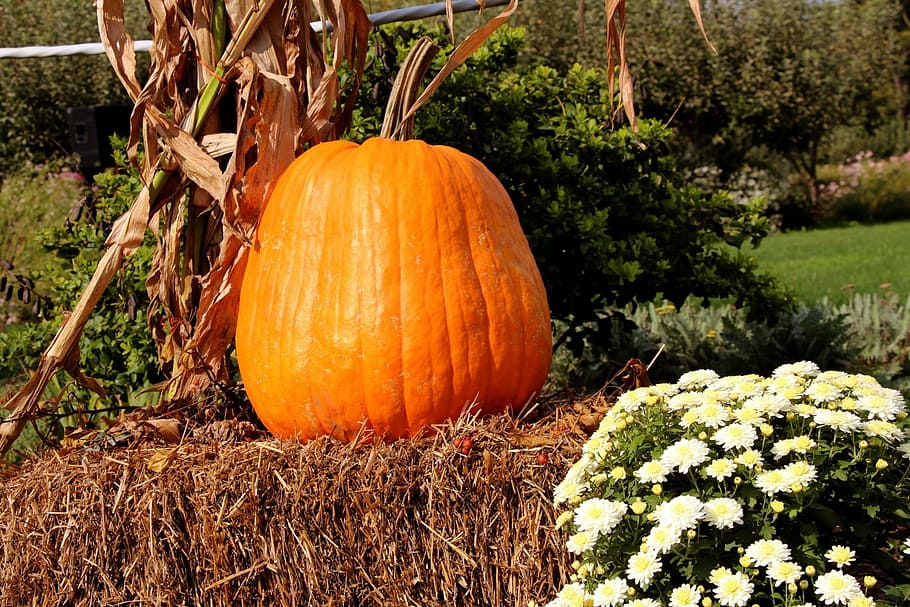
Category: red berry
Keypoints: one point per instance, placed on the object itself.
(542, 458)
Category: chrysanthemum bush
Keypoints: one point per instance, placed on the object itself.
(788, 490)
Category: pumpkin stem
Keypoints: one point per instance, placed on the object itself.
(404, 90)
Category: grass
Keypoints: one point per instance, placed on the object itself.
(837, 262)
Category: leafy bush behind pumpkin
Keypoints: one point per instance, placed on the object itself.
(608, 216)
(116, 346)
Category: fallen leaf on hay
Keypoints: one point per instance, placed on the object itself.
(160, 459)
(534, 440)
(168, 429)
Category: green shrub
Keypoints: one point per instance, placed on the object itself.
(116, 346)
(607, 215)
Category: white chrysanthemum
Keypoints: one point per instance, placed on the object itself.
(823, 392)
(733, 590)
(904, 450)
(684, 401)
(880, 406)
(770, 482)
(643, 603)
(750, 458)
(581, 542)
(861, 600)
(799, 473)
(681, 513)
(836, 588)
(697, 380)
(665, 389)
(642, 566)
(782, 448)
(883, 429)
(802, 444)
(654, 471)
(575, 482)
(599, 516)
(721, 468)
(765, 552)
(713, 414)
(736, 436)
(805, 409)
(610, 593)
(723, 512)
(662, 538)
(784, 572)
(685, 595)
(748, 414)
(747, 386)
(719, 573)
(840, 555)
(803, 368)
(907, 546)
(770, 405)
(839, 420)
(570, 595)
(838, 378)
(684, 454)
(632, 400)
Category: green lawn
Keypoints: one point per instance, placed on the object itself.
(836, 261)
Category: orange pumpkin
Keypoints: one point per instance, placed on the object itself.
(389, 284)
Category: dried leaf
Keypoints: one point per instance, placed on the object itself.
(160, 459)
(695, 5)
(168, 429)
(192, 159)
(118, 44)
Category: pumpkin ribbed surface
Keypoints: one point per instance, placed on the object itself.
(389, 283)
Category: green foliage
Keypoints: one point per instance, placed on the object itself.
(868, 334)
(31, 197)
(116, 345)
(607, 215)
(787, 78)
(35, 92)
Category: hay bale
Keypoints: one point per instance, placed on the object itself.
(258, 521)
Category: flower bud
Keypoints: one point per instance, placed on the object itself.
(564, 518)
(657, 489)
(863, 444)
(638, 507)
(707, 602)
(777, 506)
(766, 429)
(691, 534)
(702, 435)
(810, 570)
(745, 561)
(796, 487)
(869, 581)
(737, 480)
(803, 584)
(791, 588)
(881, 464)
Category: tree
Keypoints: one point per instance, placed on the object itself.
(786, 76)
